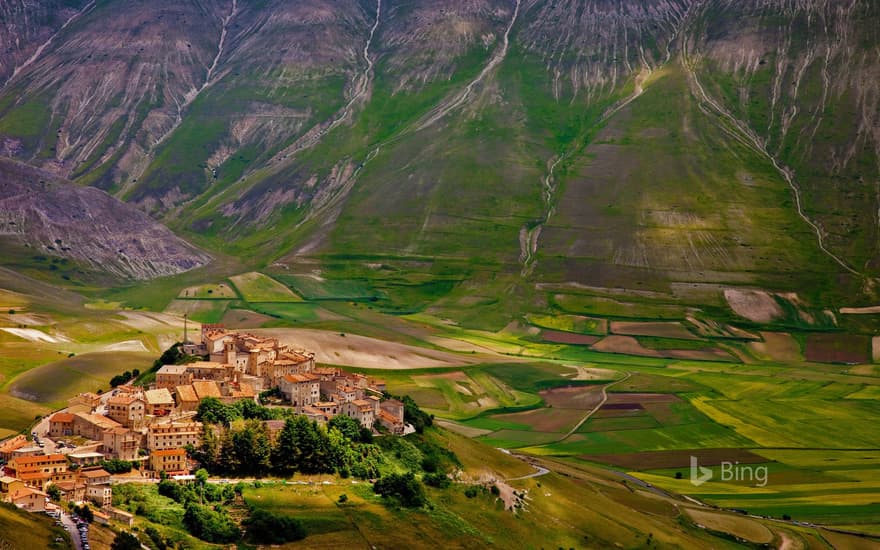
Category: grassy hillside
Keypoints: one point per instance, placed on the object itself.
(19, 529)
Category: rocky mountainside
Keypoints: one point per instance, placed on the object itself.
(636, 144)
(52, 218)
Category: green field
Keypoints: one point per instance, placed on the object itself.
(53, 384)
(219, 291)
(256, 287)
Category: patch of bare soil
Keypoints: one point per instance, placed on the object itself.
(860, 310)
(624, 344)
(658, 329)
(574, 397)
(754, 305)
(361, 351)
(778, 346)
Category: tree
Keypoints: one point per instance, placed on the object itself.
(213, 411)
(349, 427)
(404, 488)
(125, 541)
(84, 512)
(54, 492)
(439, 480)
(266, 527)
(209, 525)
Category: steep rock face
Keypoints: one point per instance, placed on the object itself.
(629, 141)
(110, 86)
(591, 48)
(803, 80)
(26, 28)
(84, 224)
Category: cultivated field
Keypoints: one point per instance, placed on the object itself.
(256, 287)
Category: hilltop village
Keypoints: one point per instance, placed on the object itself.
(151, 427)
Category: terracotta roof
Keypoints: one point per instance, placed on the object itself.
(158, 397)
(206, 388)
(28, 460)
(13, 444)
(298, 378)
(98, 420)
(25, 492)
(186, 393)
(68, 485)
(33, 475)
(62, 417)
(101, 472)
(387, 416)
(123, 399)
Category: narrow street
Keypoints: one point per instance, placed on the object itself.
(70, 525)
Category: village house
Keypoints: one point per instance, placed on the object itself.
(9, 484)
(38, 471)
(61, 424)
(206, 388)
(209, 370)
(361, 410)
(391, 416)
(233, 392)
(92, 426)
(159, 402)
(127, 409)
(29, 499)
(170, 461)
(314, 414)
(102, 495)
(171, 376)
(95, 476)
(49, 464)
(301, 389)
(32, 450)
(85, 459)
(10, 445)
(71, 491)
(121, 443)
(83, 402)
(187, 400)
(173, 435)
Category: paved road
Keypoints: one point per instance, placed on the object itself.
(71, 528)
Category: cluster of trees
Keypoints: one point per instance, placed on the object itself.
(125, 541)
(84, 512)
(265, 527)
(404, 489)
(209, 523)
(117, 466)
(245, 448)
(213, 411)
(126, 376)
